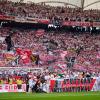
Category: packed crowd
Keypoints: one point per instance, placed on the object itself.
(58, 50)
(40, 11)
(61, 55)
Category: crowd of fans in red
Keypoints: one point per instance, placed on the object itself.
(52, 51)
(40, 11)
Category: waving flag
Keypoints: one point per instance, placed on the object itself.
(24, 55)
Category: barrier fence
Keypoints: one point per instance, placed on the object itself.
(60, 85)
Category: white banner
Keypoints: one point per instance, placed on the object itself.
(12, 88)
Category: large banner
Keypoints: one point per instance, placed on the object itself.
(73, 84)
(44, 21)
(87, 24)
(25, 19)
(11, 88)
(71, 23)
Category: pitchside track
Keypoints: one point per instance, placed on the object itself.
(51, 96)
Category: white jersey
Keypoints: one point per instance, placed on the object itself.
(31, 83)
(45, 87)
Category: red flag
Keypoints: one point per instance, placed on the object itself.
(25, 55)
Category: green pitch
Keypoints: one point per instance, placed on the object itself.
(51, 96)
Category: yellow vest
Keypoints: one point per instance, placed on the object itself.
(19, 82)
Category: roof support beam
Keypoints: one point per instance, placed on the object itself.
(82, 4)
(92, 3)
(53, 1)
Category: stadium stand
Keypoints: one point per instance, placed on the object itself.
(64, 52)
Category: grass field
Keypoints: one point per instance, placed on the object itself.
(51, 96)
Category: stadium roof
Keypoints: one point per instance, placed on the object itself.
(86, 4)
